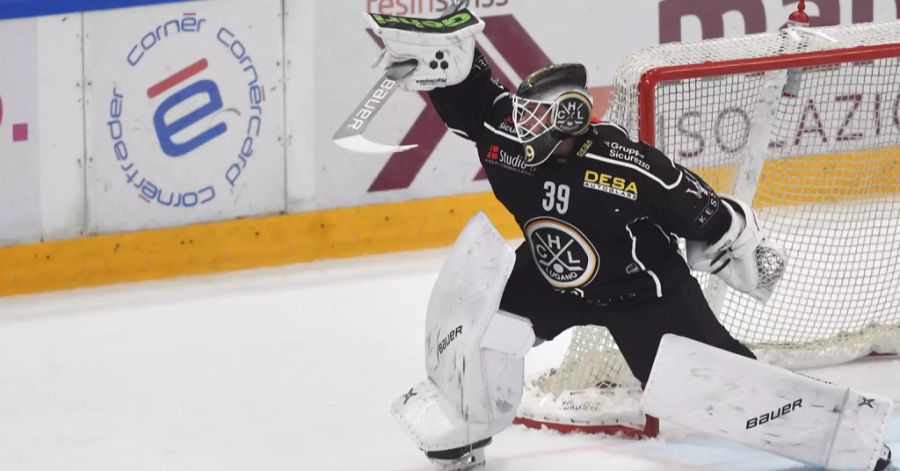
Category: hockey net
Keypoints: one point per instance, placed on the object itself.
(805, 123)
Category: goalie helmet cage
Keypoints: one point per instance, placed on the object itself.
(805, 123)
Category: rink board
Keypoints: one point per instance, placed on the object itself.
(244, 243)
(87, 85)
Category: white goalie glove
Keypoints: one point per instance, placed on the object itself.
(744, 257)
(441, 50)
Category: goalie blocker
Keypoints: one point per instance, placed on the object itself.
(766, 407)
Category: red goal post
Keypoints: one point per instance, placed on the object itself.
(805, 124)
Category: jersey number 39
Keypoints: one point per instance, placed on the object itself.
(556, 197)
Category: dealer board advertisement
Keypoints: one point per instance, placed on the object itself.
(180, 114)
(519, 38)
(184, 109)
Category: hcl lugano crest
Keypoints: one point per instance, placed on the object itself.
(563, 254)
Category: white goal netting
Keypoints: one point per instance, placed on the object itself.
(806, 125)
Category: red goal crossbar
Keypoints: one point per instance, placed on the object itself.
(651, 78)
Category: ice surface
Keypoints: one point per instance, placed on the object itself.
(290, 368)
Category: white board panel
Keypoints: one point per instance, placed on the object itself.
(184, 113)
(20, 185)
(300, 99)
(61, 111)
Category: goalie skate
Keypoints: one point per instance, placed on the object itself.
(459, 459)
(884, 460)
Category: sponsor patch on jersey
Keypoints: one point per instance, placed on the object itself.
(711, 208)
(584, 148)
(497, 156)
(507, 125)
(565, 257)
(627, 153)
(616, 186)
(701, 191)
(696, 189)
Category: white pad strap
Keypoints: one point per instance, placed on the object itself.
(765, 407)
(444, 48)
(473, 353)
(509, 333)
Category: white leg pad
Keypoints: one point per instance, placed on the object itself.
(860, 435)
(433, 422)
(473, 353)
(765, 407)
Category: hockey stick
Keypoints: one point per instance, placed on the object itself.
(350, 134)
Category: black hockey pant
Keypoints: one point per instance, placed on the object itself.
(636, 326)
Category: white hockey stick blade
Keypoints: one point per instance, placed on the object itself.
(350, 134)
(359, 143)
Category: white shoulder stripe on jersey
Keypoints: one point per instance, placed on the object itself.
(500, 97)
(501, 133)
(459, 132)
(635, 167)
(607, 123)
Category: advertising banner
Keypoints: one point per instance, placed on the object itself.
(185, 114)
(20, 190)
(519, 38)
(179, 112)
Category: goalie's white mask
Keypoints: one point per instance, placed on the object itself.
(549, 106)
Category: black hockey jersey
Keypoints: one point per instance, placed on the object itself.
(601, 221)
